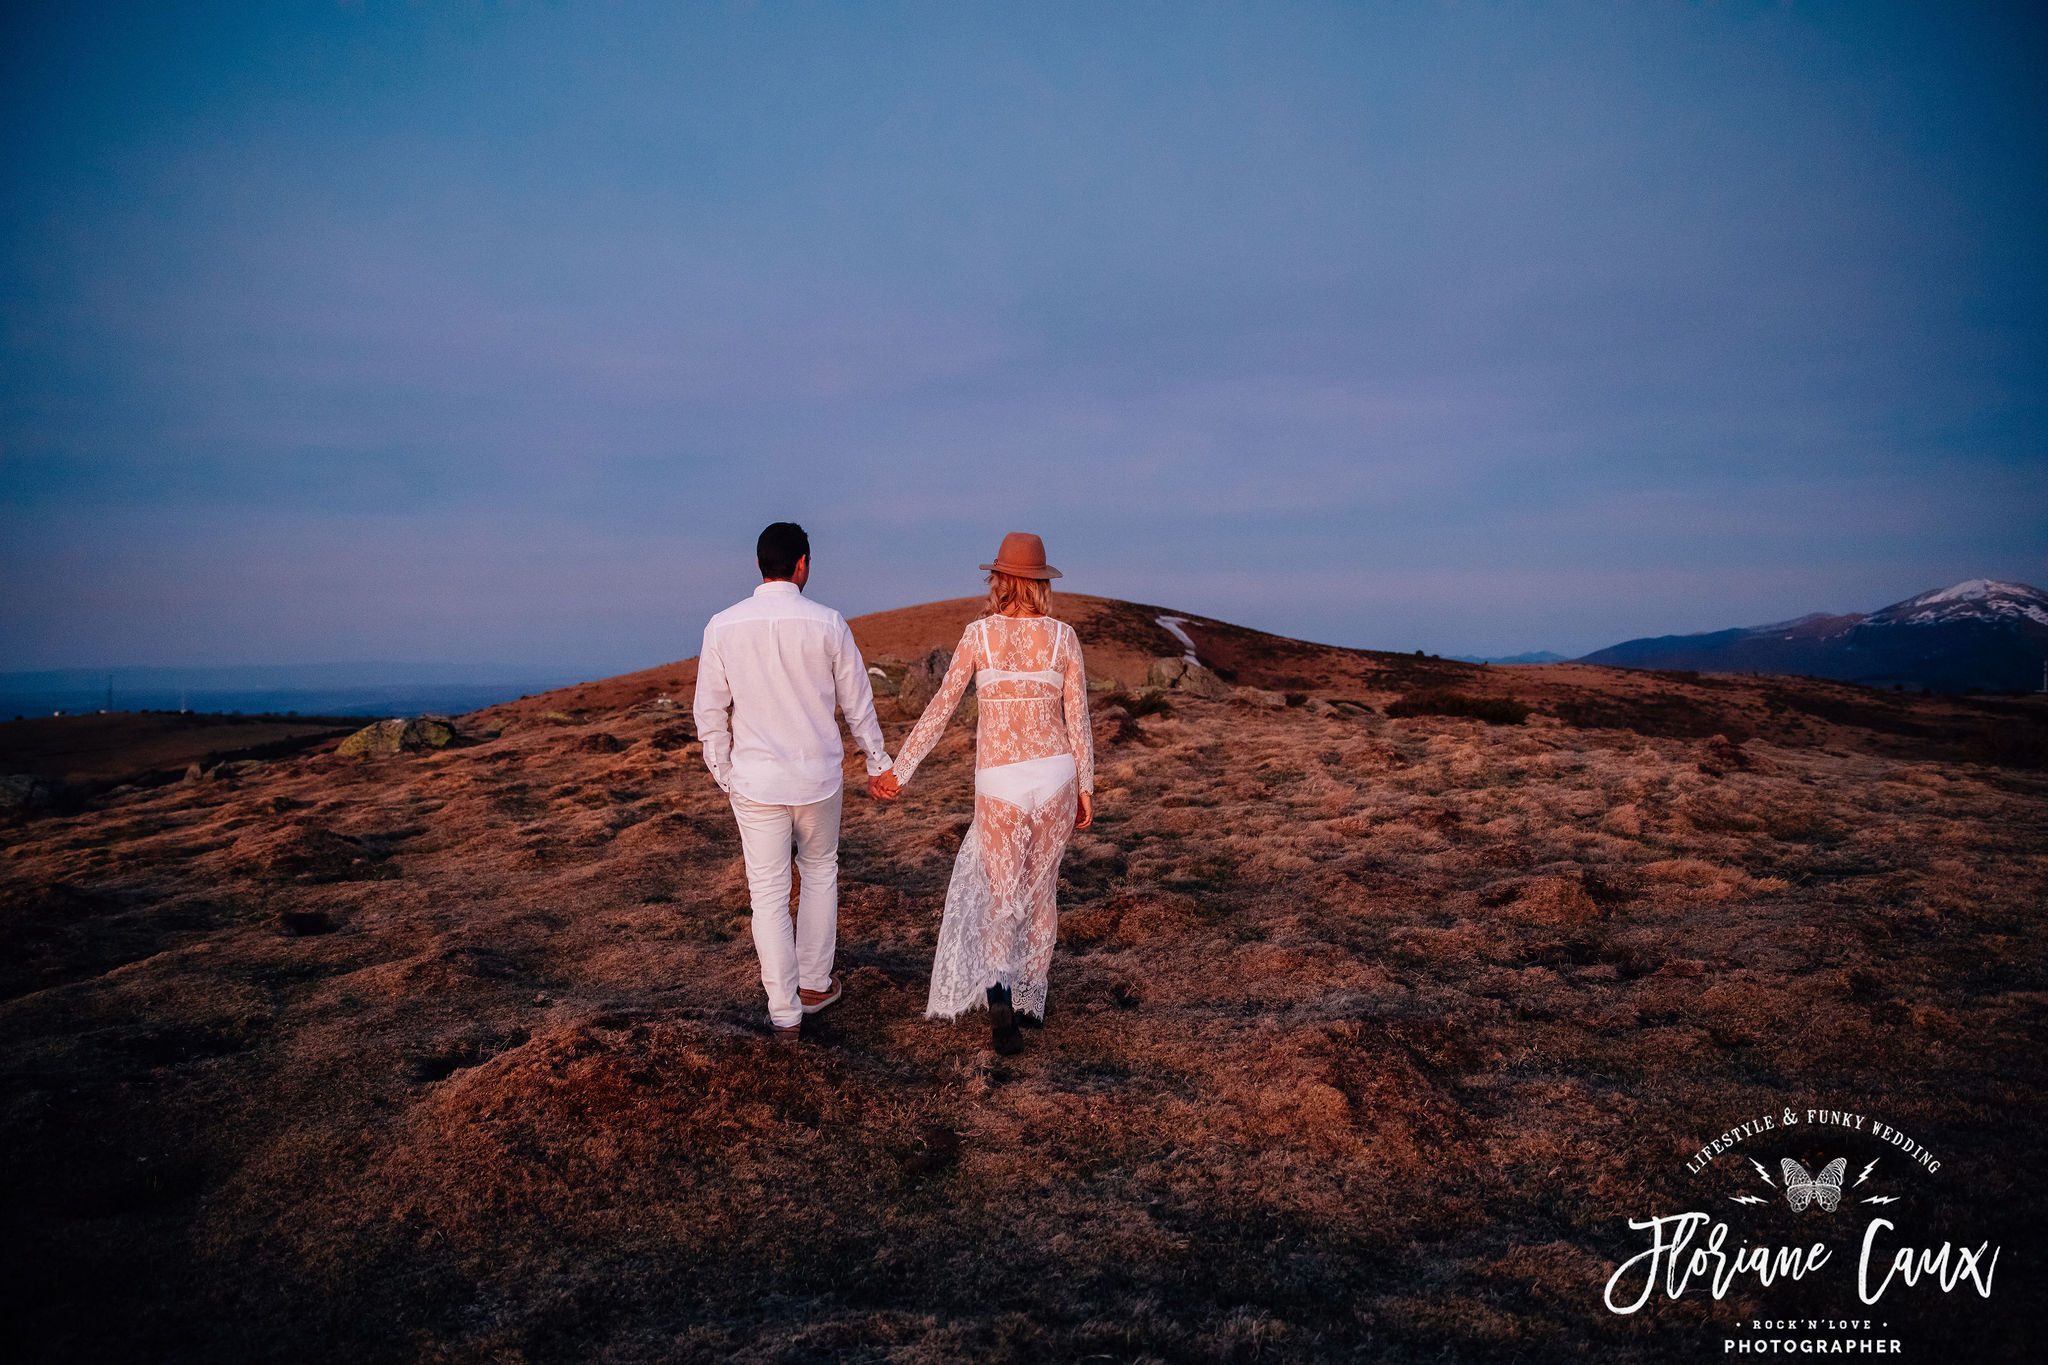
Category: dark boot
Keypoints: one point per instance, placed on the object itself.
(1002, 1022)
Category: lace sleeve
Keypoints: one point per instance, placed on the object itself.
(1075, 697)
(932, 723)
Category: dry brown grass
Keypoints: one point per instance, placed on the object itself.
(1365, 1035)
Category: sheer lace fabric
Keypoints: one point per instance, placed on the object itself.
(1002, 912)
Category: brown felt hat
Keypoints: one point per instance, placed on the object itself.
(1022, 556)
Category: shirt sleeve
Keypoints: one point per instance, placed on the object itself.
(857, 701)
(1075, 696)
(932, 723)
(712, 711)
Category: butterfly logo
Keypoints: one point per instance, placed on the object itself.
(1803, 1187)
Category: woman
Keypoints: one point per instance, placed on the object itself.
(1034, 778)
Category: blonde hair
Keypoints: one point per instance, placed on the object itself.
(1007, 591)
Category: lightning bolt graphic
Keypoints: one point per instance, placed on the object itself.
(1764, 1173)
(1882, 1199)
(1752, 1199)
(1866, 1171)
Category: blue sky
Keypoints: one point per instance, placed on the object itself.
(496, 332)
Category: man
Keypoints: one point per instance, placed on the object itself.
(780, 662)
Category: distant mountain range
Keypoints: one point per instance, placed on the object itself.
(1976, 635)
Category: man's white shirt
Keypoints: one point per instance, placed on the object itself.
(781, 662)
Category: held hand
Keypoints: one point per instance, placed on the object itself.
(884, 787)
(1084, 814)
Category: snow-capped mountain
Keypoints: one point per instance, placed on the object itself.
(1980, 634)
(1980, 599)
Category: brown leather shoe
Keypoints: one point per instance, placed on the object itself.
(813, 1001)
(790, 1034)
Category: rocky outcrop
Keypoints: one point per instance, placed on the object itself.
(1165, 671)
(1260, 697)
(1201, 682)
(921, 682)
(1174, 674)
(397, 737)
(22, 795)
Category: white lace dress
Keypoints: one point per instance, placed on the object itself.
(1033, 754)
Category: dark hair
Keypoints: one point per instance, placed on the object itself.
(779, 548)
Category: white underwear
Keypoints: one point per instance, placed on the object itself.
(1027, 785)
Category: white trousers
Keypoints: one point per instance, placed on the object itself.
(798, 954)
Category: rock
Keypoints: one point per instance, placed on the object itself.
(1172, 673)
(1198, 681)
(921, 682)
(22, 794)
(431, 732)
(1258, 696)
(395, 736)
(384, 737)
(1165, 671)
(881, 682)
(193, 774)
(597, 743)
